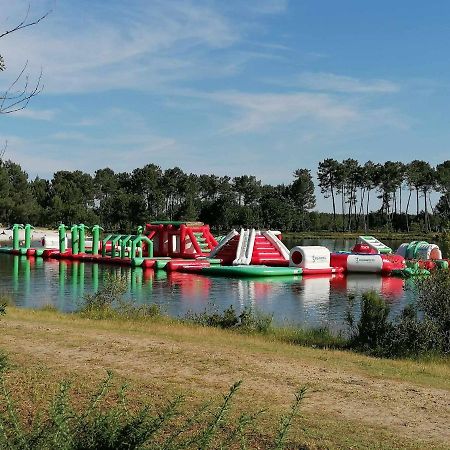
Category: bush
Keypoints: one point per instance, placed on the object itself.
(118, 426)
(433, 294)
(410, 334)
(211, 317)
(369, 334)
(109, 303)
(254, 320)
(411, 337)
(250, 320)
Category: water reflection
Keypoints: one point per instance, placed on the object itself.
(314, 301)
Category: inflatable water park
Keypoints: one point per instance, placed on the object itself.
(190, 247)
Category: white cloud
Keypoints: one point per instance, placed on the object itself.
(263, 110)
(315, 113)
(36, 114)
(329, 82)
(118, 47)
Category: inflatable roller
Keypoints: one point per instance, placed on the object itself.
(310, 257)
(419, 250)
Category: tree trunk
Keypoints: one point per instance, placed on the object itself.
(417, 202)
(366, 223)
(361, 208)
(334, 207)
(407, 208)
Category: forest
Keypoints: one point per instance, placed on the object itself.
(392, 196)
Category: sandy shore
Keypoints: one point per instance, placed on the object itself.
(38, 234)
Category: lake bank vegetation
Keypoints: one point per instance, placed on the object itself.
(421, 329)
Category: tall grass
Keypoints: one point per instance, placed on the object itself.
(4, 302)
(98, 426)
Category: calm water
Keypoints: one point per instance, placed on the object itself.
(309, 301)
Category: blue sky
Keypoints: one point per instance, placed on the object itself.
(260, 87)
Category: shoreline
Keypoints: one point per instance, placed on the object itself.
(37, 235)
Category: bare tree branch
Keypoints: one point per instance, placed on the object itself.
(24, 23)
(13, 100)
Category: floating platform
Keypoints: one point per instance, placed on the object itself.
(242, 271)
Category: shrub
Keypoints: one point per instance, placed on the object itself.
(211, 317)
(118, 426)
(410, 336)
(250, 320)
(109, 303)
(112, 292)
(254, 320)
(369, 334)
(433, 294)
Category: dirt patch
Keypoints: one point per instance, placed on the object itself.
(403, 408)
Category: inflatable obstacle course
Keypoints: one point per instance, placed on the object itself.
(190, 247)
(374, 244)
(252, 247)
(180, 239)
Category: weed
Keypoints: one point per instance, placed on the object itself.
(3, 362)
(49, 308)
(4, 302)
(320, 337)
(119, 426)
(250, 320)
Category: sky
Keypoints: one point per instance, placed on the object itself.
(258, 87)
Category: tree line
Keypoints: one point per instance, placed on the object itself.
(121, 201)
(397, 185)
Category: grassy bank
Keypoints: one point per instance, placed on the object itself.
(352, 400)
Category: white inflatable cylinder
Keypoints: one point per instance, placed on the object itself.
(310, 257)
(364, 263)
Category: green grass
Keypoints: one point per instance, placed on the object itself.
(198, 360)
(99, 424)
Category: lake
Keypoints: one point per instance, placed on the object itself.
(305, 301)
